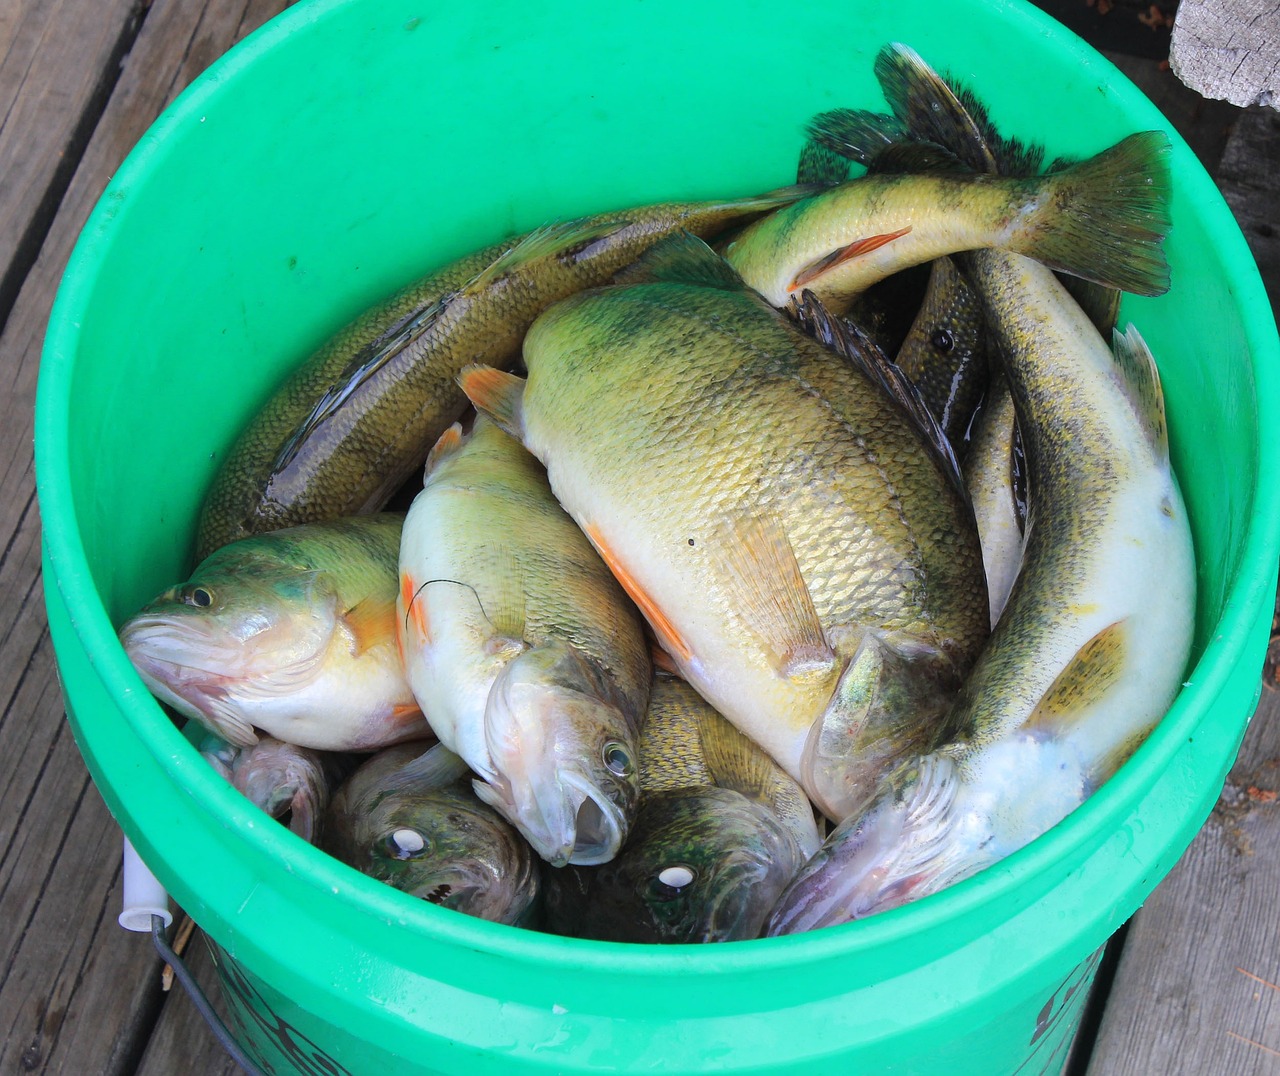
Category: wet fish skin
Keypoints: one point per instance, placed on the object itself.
(522, 645)
(280, 778)
(994, 489)
(411, 819)
(1090, 649)
(291, 633)
(711, 494)
(703, 864)
(945, 352)
(1102, 219)
(354, 421)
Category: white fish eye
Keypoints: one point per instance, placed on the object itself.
(617, 759)
(672, 881)
(404, 843)
(199, 596)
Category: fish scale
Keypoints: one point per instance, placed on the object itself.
(666, 411)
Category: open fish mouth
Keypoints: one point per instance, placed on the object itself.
(571, 820)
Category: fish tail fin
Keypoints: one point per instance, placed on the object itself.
(498, 394)
(1105, 218)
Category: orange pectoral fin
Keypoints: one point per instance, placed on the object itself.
(415, 612)
(666, 632)
(843, 254)
(372, 622)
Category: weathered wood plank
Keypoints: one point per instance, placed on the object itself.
(1249, 179)
(1229, 49)
(58, 62)
(77, 994)
(1196, 992)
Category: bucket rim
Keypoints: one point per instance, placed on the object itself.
(1247, 601)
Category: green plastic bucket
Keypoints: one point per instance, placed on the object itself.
(347, 147)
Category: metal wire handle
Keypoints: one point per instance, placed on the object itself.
(202, 1003)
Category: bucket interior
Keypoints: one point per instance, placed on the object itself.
(269, 206)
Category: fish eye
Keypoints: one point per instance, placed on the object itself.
(617, 760)
(671, 881)
(404, 843)
(201, 596)
(942, 340)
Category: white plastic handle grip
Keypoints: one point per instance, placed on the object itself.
(144, 896)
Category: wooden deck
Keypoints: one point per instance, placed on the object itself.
(1194, 988)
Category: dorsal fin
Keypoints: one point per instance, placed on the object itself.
(682, 258)
(364, 364)
(1141, 382)
(912, 156)
(846, 340)
(939, 109)
(821, 165)
(855, 134)
(928, 108)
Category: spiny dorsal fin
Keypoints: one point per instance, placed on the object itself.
(846, 340)
(1086, 679)
(928, 108)
(768, 588)
(682, 258)
(855, 134)
(939, 109)
(912, 156)
(1141, 381)
(498, 394)
(821, 165)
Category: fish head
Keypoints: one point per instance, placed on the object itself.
(702, 864)
(434, 841)
(210, 645)
(564, 756)
(283, 778)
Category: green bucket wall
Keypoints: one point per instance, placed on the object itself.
(346, 148)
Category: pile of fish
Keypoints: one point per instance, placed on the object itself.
(714, 620)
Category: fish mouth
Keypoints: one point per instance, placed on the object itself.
(568, 820)
(173, 649)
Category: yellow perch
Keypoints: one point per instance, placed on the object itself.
(788, 534)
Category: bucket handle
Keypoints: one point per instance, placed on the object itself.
(146, 907)
(200, 999)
